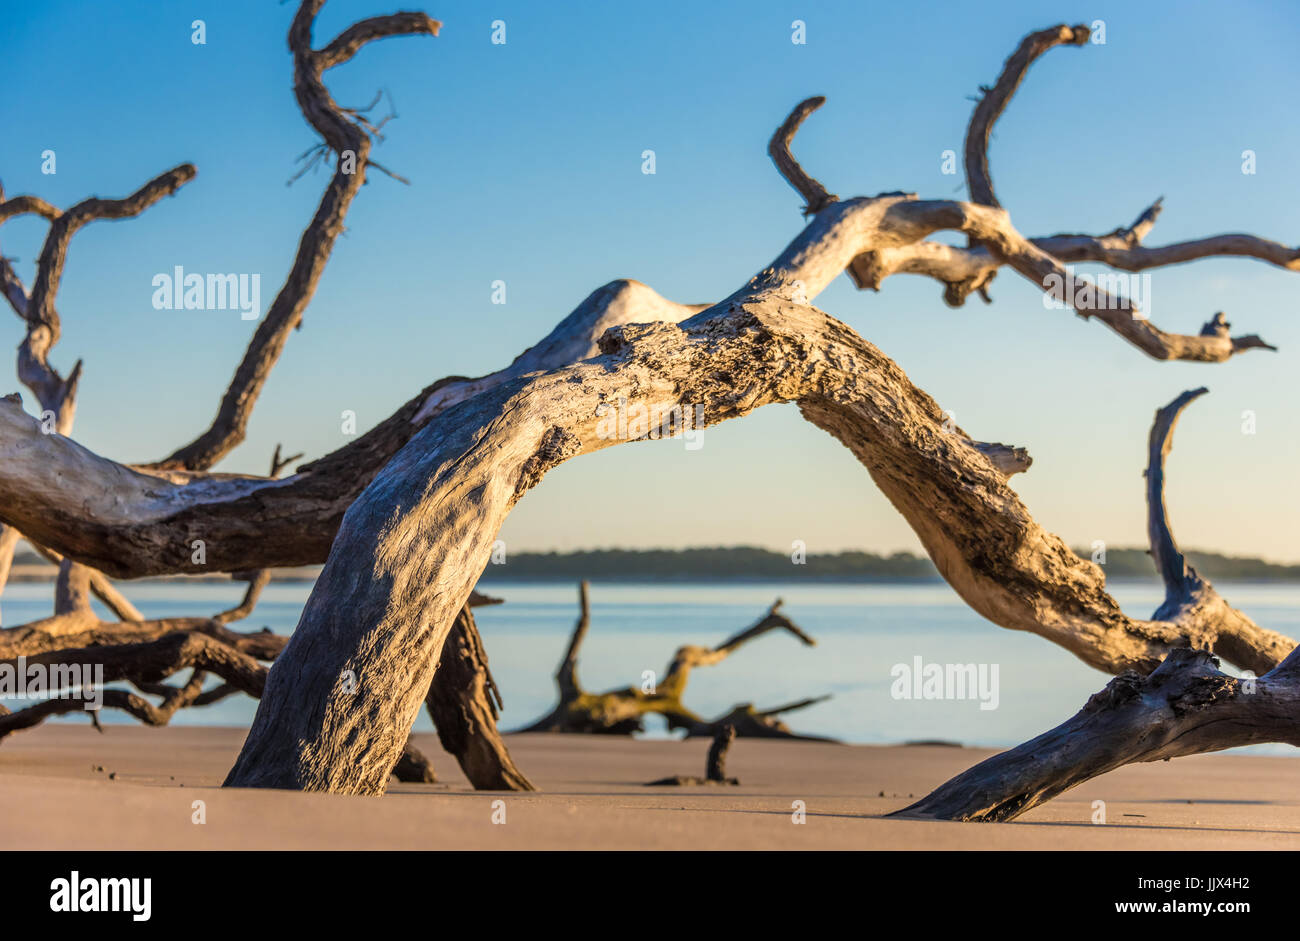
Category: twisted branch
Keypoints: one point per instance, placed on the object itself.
(816, 198)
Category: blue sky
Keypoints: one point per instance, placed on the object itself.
(525, 164)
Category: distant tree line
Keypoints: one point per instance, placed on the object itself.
(747, 562)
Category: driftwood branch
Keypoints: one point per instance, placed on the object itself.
(994, 101)
(688, 657)
(816, 198)
(342, 132)
(53, 391)
(463, 700)
(964, 270)
(622, 711)
(146, 653)
(458, 478)
(970, 270)
(173, 700)
(349, 42)
(1186, 707)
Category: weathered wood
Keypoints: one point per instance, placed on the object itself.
(463, 700)
(623, 711)
(406, 513)
(1186, 707)
(815, 195)
(342, 133)
(429, 518)
(994, 101)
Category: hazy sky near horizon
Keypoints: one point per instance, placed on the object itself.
(525, 166)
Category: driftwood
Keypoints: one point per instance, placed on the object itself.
(623, 711)
(407, 551)
(405, 515)
(435, 510)
(715, 765)
(146, 651)
(254, 522)
(1185, 707)
(463, 700)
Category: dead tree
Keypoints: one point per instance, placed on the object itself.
(623, 711)
(1185, 707)
(462, 704)
(406, 515)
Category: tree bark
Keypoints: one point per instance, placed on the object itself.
(428, 520)
(463, 700)
(1186, 707)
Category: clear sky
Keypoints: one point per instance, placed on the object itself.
(525, 166)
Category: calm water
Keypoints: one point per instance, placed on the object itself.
(861, 631)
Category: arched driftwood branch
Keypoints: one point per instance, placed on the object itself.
(429, 518)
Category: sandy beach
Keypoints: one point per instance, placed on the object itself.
(134, 788)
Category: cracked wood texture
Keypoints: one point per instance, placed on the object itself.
(412, 545)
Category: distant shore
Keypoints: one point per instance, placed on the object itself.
(743, 563)
(747, 564)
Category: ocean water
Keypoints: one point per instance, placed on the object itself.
(862, 631)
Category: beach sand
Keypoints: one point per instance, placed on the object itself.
(593, 797)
